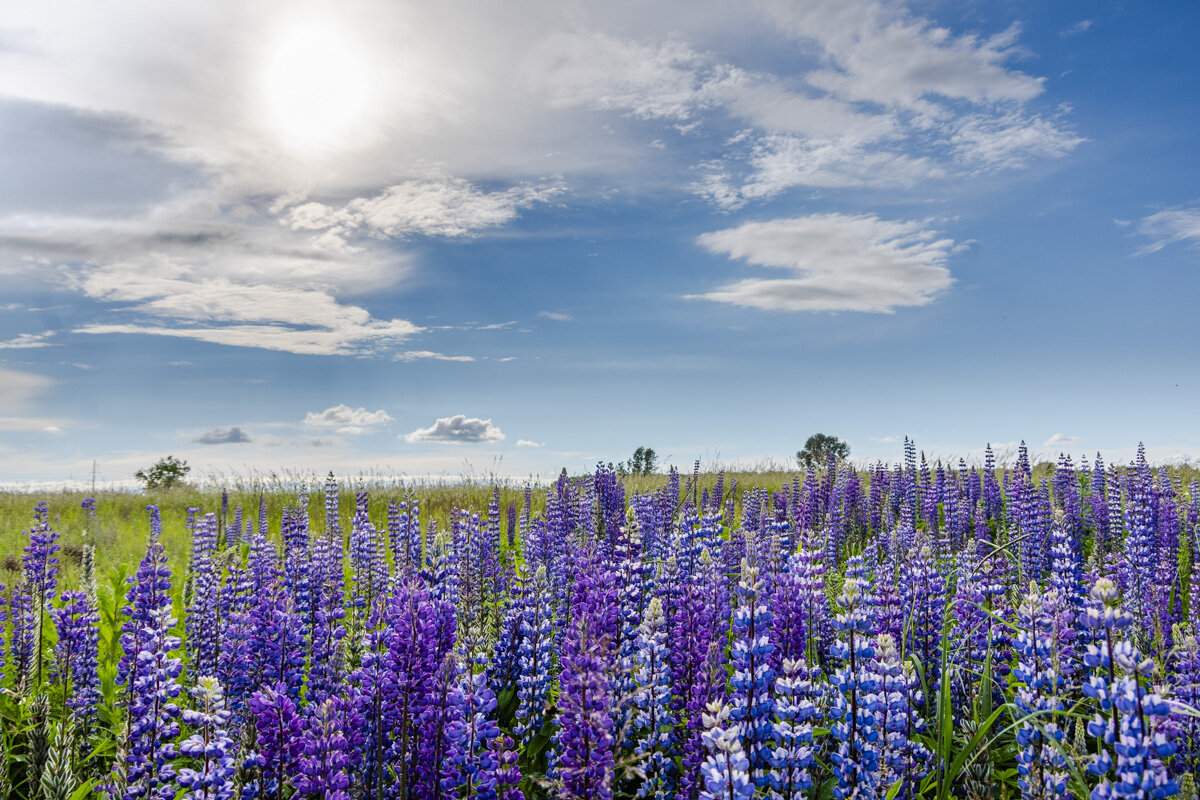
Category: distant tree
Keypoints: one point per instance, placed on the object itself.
(168, 472)
(644, 461)
(819, 447)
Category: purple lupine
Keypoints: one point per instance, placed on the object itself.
(321, 770)
(1185, 694)
(1138, 565)
(153, 713)
(328, 614)
(40, 567)
(75, 657)
(279, 731)
(980, 610)
(203, 614)
(788, 618)
(697, 640)
(24, 633)
(856, 759)
(585, 737)
(3, 619)
(810, 570)
(477, 763)
(149, 593)
(210, 747)
(366, 556)
(276, 644)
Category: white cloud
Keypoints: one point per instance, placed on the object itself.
(1060, 440)
(17, 389)
(836, 262)
(557, 316)
(441, 205)
(414, 355)
(459, 429)
(347, 420)
(234, 435)
(1078, 28)
(30, 424)
(1170, 227)
(1010, 141)
(528, 443)
(26, 341)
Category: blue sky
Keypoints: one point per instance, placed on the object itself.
(430, 239)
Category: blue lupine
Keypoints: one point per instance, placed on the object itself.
(210, 747)
(726, 771)
(751, 680)
(279, 730)
(795, 713)
(323, 758)
(903, 759)
(856, 759)
(535, 659)
(1185, 692)
(149, 593)
(203, 614)
(923, 588)
(653, 723)
(1041, 766)
(40, 569)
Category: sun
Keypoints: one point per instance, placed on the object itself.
(316, 83)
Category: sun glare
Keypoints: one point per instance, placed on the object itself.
(316, 85)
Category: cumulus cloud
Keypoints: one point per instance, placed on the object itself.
(1170, 227)
(234, 435)
(459, 429)
(835, 262)
(348, 421)
(26, 341)
(1060, 440)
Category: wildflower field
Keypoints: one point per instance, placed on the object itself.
(900, 631)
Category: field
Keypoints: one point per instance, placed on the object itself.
(882, 632)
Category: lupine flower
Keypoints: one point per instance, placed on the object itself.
(856, 759)
(59, 779)
(321, 773)
(209, 747)
(203, 614)
(1041, 765)
(1185, 692)
(923, 588)
(279, 729)
(902, 757)
(585, 737)
(153, 714)
(148, 596)
(535, 657)
(40, 567)
(726, 771)
(795, 712)
(752, 674)
(75, 657)
(653, 723)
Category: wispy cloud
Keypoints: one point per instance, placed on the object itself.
(27, 341)
(1170, 227)
(459, 429)
(528, 443)
(1079, 27)
(234, 435)
(836, 262)
(415, 355)
(557, 316)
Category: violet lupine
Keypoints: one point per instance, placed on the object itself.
(209, 747)
(923, 588)
(40, 568)
(1138, 564)
(203, 613)
(75, 657)
(1041, 766)
(153, 713)
(726, 771)
(279, 730)
(856, 759)
(752, 675)
(441, 713)
(810, 570)
(328, 612)
(535, 657)
(1185, 696)
(795, 713)
(980, 610)
(903, 759)
(697, 641)
(1066, 573)
(653, 722)
(475, 763)
(149, 593)
(322, 765)
(276, 643)
(3, 619)
(366, 557)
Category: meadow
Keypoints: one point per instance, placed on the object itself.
(900, 631)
